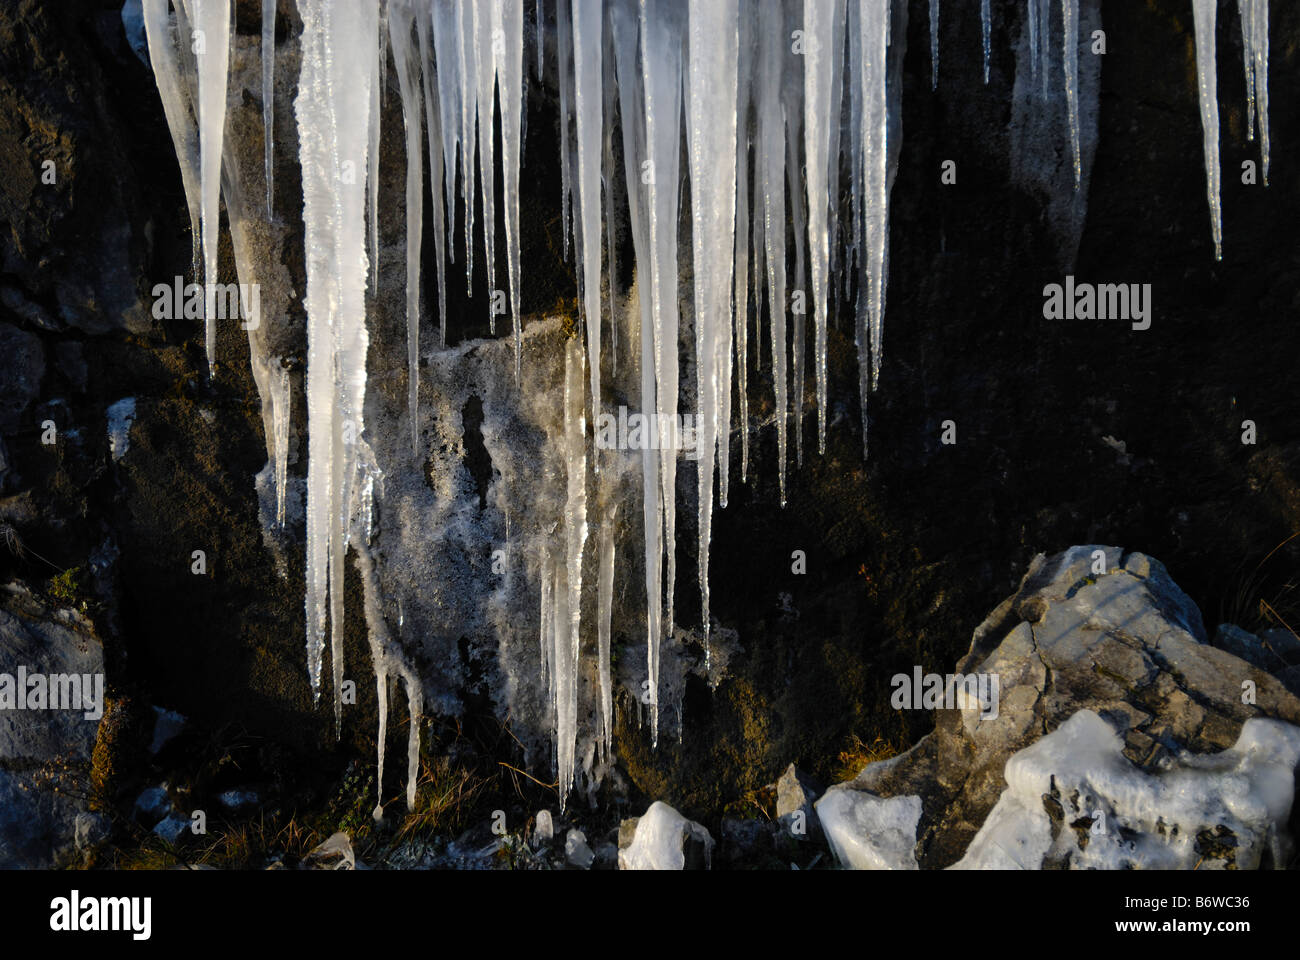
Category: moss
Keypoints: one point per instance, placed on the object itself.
(111, 745)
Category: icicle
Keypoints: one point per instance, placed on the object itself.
(609, 182)
(745, 60)
(1259, 45)
(1245, 11)
(541, 41)
(819, 117)
(564, 53)
(485, 21)
(795, 190)
(212, 48)
(381, 700)
(875, 126)
(588, 79)
(986, 28)
(510, 89)
(167, 74)
(833, 155)
(661, 63)
(853, 256)
(437, 135)
(604, 614)
(401, 17)
(378, 73)
(1203, 12)
(1070, 59)
(714, 41)
(1044, 43)
(565, 684)
(415, 710)
(268, 94)
(1033, 38)
(934, 44)
(339, 51)
(446, 48)
(771, 148)
(568, 596)
(281, 410)
(467, 61)
(624, 24)
(546, 636)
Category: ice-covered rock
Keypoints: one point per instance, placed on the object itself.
(576, 851)
(1101, 652)
(1074, 800)
(543, 828)
(867, 832)
(662, 839)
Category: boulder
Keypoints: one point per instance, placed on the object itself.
(662, 839)
(1103, 678)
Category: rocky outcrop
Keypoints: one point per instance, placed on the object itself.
(1110, 711)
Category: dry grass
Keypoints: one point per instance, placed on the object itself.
(858, 754)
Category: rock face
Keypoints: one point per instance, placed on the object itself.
(45, 747)
(904, 551)
(1110, 707)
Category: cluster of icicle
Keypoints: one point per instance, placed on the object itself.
(767, 94)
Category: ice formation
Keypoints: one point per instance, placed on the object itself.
(268, 97)
(1203, 12)
(765, 124)
(866, 832)
(211, 46)
(1132, 817)
(1254, 42)
(986, 28)
(660, 839)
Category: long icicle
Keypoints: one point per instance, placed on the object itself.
(819, 71)
(771, 149)
(1070, 59)
(624, 25)
(333, 104)
(268, 97)
(167, 74)
(510, 90)
(575, 535)
(714, 43)
(588, 80)
(1203, 12)
(211, 20)
(437, 134)
(401, 18)
(874, 22)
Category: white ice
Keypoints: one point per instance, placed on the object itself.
(1135, 818)
(1203, 12)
